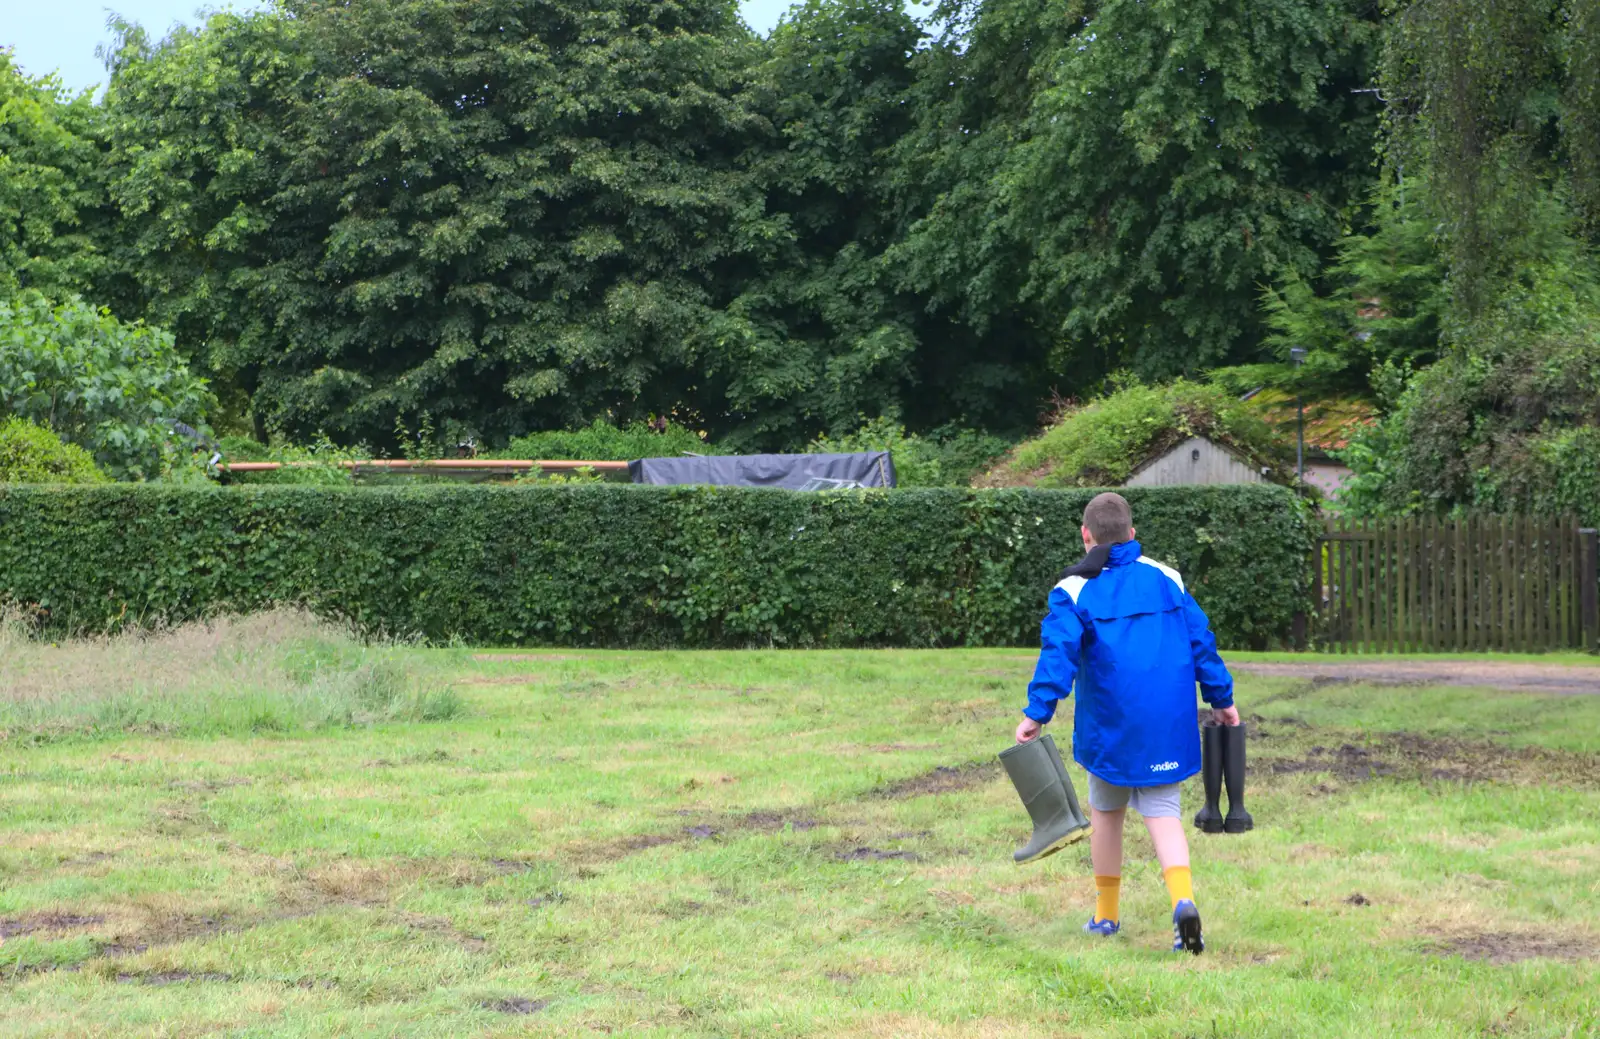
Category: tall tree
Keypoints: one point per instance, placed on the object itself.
(510, 215)
(829, 337)
(1145, 167)
(201, 139)
(989, 345)
(1495, 104)
(52, 196)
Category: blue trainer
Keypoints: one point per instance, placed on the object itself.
(1104, 928)
(1186, 929)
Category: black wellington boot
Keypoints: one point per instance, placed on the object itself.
(1047, 794)
(1238, 820)
(1209, 818)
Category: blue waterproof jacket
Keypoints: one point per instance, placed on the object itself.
(1136, 643)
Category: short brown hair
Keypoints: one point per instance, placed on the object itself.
(1109, 519)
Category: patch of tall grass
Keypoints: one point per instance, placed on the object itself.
(283, 671)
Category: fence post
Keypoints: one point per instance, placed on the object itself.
(1589, 588)
(1301, 630)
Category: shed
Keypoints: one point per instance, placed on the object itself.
(1195, 461)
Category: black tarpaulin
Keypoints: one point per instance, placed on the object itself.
(795, 472)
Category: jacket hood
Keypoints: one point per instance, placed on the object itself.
(1124, 552)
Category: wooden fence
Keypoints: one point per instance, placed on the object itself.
(1503, 583)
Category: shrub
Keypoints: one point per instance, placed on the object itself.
(109, 387)
(610, 565)
(943, 458)
(1513, 426)
(317, 464)
(1102, 443)
(604, 442)
(31, 454)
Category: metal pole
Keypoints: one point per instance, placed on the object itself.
(1297, 357)
(1300, 445)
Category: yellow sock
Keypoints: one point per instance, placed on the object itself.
(1179, 884)
(1109, 891)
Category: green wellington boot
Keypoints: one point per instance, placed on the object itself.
(1209, 818)
(1238, 820)
(1046, 790)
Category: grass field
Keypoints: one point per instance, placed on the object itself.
(774, 844)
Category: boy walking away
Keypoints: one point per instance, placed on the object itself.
(1127, 632)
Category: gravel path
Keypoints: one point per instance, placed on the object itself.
(1576, 680)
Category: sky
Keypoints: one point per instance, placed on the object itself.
(61, 35)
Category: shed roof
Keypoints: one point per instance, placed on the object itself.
(1331, 422)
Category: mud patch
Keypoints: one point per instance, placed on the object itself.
(876, 855)
(683, 909)
(945, 779)
(530, 678)
(506, 867)
(167, 930)
(371, 883)
(445, 930)
(1358, 899)
(772, 822)
(1503, 948)
(1410, 756)
(605, 851)
(1348, 762)
(643, 842)
(32, 970)
(700, 833)
(207, 786)
(516, 1005)
(182, 819)
(172, 977)
(1540, 678)
(48, 923)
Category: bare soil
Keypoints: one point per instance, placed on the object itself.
(1528, 678)
(32, 923)
(1410, 756)
(876, 855)
(942, 780)
(767, 822)
(1500, 948)
(518, 1005)
(172, 977)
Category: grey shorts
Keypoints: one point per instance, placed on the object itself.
(1152, 802)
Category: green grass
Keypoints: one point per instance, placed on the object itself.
(282, 671)
(727, 844)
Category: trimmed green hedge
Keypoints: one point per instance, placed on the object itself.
(605, 565)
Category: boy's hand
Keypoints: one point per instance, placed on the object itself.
(1029, 730)
(1225, 715)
